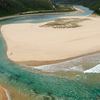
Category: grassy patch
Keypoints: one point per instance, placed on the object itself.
(65, 23)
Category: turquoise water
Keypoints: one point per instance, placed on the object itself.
(83, 87)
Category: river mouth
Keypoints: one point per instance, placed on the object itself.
(25, 84)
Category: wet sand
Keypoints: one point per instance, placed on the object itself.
(3, 94)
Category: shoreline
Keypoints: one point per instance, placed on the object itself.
(77, 9)
(40, 63)
(37, 13)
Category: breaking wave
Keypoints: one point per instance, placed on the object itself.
(95, 69)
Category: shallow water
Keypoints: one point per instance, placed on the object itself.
(40, 86)
(38, 18)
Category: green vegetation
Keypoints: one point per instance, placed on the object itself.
(92, 4)
(8, 7)
(56, 9)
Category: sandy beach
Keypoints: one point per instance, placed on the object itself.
(38, 44)
(3, 94)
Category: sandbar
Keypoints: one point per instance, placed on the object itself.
(35, 44)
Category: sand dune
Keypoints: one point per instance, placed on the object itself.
(31, 42)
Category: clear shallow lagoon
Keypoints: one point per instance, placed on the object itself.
(41, 86)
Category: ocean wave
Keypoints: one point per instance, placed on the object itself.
(95, 69)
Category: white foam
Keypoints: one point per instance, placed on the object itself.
(46, 68)
(56, 68)
(95, 69)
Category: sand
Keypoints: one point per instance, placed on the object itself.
(3, 94)
(40, 45)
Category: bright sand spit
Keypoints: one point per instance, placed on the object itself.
(3, 94)
(37, 45)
